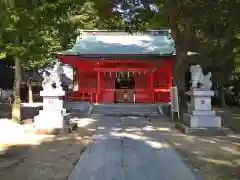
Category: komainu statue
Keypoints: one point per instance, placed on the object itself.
(52, 80)
(198, 80)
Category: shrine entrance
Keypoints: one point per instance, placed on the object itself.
(121, 85)
(124, 87)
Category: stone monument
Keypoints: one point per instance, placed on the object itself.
(52, 117)
(200, 113)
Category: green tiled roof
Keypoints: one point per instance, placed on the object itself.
(111, 43)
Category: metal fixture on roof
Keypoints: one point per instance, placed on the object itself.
(189, 53)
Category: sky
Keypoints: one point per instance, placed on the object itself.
(127, 13)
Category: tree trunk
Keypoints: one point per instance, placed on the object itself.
(16, 111)
(222, 97)
(30, 93)
(181, 65)
(180, 83)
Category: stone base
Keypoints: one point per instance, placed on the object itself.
(202, 121)
(203, 113)
(66, 130)
(50, 119)
(49, 131)
(210, 131)
(53, 93)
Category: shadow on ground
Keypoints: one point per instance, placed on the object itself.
(215, 157)
(41, 157)
(129, 147)
(53, 157)
(230, 117)
(26, 112)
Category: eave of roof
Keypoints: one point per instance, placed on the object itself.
(114, 56)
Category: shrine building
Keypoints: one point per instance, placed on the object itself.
(116, 67)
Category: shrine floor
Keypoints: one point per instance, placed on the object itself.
(129, 148)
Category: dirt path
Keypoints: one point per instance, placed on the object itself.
(50, 158)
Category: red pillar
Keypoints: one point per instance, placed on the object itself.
(170, 69)
(79, 75)
(170, 78)
(98, 88)
(151, 87)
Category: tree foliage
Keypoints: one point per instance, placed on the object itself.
(33, 30)
(208, 27)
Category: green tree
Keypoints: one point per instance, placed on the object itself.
(33, 30)
(30, 34)
(208, 27)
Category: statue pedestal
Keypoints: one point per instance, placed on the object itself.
(52, 117)
(200, 119)
(200, 113)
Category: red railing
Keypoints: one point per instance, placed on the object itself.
(81, 96)
(161, 95)
(108, 96)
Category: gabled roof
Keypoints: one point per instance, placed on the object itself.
(152, 42)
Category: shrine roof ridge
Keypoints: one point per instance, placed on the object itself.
(122, 32)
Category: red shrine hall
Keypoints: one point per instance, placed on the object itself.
(117, 67)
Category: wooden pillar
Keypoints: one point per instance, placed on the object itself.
(170, 74)
(98, 87)
(151, 87)
(170, 78)
(79, 78)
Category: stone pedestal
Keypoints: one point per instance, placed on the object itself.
(52, 116)
(200, 113)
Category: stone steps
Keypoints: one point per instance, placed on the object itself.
(125, 110)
